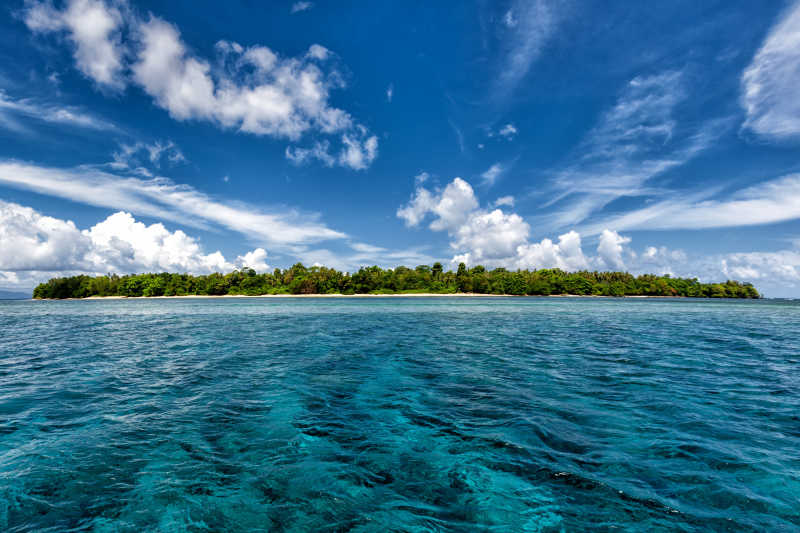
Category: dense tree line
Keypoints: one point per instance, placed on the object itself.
(374, 280)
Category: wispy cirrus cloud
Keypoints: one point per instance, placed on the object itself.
(30, 108)
(161, 198)
(250, 89)
(527, 27)
(493, 173)
(770, 82)
(768, 202)
(636, 140)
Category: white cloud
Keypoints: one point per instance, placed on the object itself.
(301, 6)
(121, 244)
(509, 19)
(250, 89)
(390, 93)
(319, 52)
(567, 254)
(451, 207)
(94, 27)
(528, 24)
(51, 113)
(494, 238)
(359, 150)
(769, 84)
(492, 173)
(504, 200)
(610, 250)
(45, 247)
(459, 135)
(38, 242)
(483, 235)
(635, 141)
(421, 178)
(508, 131)
(255, 259)
(161, 198)
(319, 151)
(490, 237)
(128, 156)
(781, 266)
(764, 203)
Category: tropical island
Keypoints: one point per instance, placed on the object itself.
(302, 280)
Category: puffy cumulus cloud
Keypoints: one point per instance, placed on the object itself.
(46, 246)
(359, 150)
(128, 246)
(661, 260)
(782, 266)
(39, 242)
(451, 207)
(490, 237)
(769, 84)
(250, 89)
(567, 254)
(495, 238)
(255, 259)
(610, 249)
(95, 29)
(259, 93)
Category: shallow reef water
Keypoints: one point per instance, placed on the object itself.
(400, 414)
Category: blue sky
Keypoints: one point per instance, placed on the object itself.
(189, 137)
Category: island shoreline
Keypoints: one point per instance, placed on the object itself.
(366, 295)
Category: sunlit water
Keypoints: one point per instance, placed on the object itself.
(412, 414)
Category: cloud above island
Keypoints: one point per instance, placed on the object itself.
(494, 237)
(46, 246)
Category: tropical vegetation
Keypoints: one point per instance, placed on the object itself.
(300, 279)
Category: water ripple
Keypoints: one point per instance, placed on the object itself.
(400, 415)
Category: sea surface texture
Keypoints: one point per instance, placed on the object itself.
(400, 414)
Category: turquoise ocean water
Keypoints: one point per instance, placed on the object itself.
(402, 414)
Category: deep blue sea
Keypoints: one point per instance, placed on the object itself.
(400, 414)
